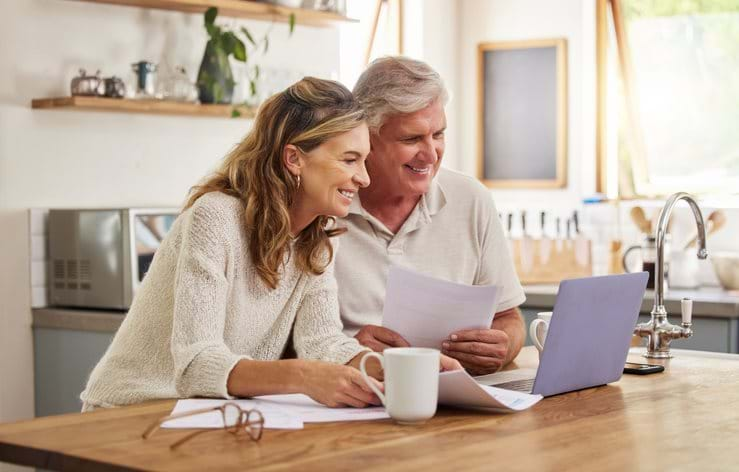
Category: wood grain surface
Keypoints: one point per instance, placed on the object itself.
(682, 419)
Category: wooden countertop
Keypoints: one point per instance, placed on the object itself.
(681, 419)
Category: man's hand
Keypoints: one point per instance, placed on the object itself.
(378, 338)
(480, 351)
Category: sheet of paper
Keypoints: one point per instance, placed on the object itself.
(280, 412)
(457, 388)
(311, 411)
(274, 416)
(425, 310)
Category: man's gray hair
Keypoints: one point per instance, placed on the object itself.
(395, 85)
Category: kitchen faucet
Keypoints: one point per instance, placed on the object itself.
(658, 331)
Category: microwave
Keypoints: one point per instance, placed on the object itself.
(98, 258)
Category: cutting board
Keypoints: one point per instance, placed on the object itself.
(563, 261)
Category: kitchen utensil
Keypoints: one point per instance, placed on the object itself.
(145, 79)
(114, 87)
(614, 264)
(726, 265)
(582, 248)
(641, 220)
(526, 246)
(87, 85)
(715, 221)
(545, 244)
(648, 251)
(558, 241)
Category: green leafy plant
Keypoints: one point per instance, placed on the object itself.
(215, 77)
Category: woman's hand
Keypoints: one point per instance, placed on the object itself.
(338, 385)
(447, 363)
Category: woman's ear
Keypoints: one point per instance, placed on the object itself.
(291, 158)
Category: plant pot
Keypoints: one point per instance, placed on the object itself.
(215, 78)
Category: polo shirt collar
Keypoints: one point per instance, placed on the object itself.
(435, 197)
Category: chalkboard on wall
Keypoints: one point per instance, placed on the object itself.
(522, 113)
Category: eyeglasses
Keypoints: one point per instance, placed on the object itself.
(236, 421)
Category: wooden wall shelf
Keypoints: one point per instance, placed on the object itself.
(156, 107)
(239, 9)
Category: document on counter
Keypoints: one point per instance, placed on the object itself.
(458, 388)
(426, 310)
(279, 411)
(274, 417)
(310, 411)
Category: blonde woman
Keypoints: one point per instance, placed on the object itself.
(248, 265)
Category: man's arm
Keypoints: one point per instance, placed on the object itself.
(511, 323)
(484, 351)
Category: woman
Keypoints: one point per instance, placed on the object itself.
(247, 265)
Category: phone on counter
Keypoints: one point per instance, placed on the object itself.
(642, 369)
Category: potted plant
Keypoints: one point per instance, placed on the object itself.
(215, 77)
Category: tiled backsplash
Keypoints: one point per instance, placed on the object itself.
(39, 245)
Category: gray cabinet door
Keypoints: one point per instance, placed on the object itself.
(63, 359)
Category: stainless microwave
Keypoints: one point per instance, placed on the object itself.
(98, 258)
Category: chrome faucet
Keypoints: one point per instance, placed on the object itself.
(658, 331)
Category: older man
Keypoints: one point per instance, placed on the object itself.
(418, 215)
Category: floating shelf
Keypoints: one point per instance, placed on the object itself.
(156, 107)
(239, 9)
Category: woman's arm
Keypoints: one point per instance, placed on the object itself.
(202, 361)
(331, 384)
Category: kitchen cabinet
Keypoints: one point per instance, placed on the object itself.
(67, 344)
(63, 359)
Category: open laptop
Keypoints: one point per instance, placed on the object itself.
(588, 338)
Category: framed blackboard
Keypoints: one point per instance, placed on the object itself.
(522, 113)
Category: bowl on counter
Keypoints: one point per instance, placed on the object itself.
(726, 265)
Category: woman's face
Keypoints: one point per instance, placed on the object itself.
(332, 173)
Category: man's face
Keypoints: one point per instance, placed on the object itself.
(406, 152)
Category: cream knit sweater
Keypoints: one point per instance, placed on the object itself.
(202, 307)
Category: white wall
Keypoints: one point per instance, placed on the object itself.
(504, 20)
(84, 159)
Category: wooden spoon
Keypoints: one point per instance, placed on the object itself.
(715, 221)
(641, 220)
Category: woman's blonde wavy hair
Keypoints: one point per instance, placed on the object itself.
(306, 114)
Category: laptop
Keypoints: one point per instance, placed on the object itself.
(588, 338)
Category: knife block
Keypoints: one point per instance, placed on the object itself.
(545, 261)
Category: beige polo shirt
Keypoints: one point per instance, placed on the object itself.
(453, 233)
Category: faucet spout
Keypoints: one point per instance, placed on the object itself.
(662, 223)
(658, 330)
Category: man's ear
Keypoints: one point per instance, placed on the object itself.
(292, 159)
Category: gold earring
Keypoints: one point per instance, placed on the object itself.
(298, 177)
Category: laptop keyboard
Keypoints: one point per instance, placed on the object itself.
(524, 385)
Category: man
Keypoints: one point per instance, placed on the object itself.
(418, 215)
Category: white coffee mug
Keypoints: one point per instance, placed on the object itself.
(411, 382)
(538, 329)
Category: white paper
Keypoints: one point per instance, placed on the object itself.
(457, 388)
(425, 310)
(279, 411)
(311, 411)
(274, 416)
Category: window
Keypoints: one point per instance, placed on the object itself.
(378, 33)
(668, 97)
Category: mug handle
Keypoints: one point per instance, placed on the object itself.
(367, 380)
(626, 253)
(533, 334)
